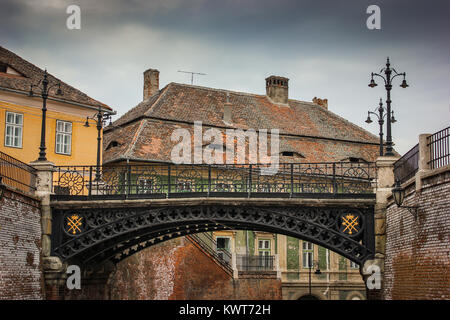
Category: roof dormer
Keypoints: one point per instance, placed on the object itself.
(4, 68)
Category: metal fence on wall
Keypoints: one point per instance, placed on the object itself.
(406, 167)
(17, 174)
(439, 144)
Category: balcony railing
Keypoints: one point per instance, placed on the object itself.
(16, 174)
(255, 262)
(248, 180)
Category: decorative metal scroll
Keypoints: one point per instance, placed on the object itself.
(107, 233)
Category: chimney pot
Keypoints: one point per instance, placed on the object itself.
(321, 102)
(151, 82)
(277, 89)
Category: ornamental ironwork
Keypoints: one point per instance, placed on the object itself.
(73, 224)
(156, 180)
(115, 233)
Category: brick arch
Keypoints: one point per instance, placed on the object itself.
(110, 232)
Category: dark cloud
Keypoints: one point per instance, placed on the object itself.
(324, 47)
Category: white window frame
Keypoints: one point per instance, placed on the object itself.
(307, 254)
(264, 247)
(14, 126)
(59, 145)
(145, 185)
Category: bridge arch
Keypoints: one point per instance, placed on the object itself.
(115, 233)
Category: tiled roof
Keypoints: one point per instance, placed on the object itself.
(31, 74)
(305, 128)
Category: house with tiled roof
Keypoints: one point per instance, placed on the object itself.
(68, 142)
(308, 132)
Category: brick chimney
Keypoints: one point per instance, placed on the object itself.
(321, 102)
(277, 89)
(151, 82)
(227, 116)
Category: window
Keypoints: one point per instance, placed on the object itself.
(184, 186)
(353, 265)
(112, 144)
(3, 67)
(222, 245)
(63, 137)
(291, 154)
(145, 186)
(307, 254)
(13, 130)
(264, 247)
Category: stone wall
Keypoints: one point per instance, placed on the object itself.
(20, 246)
(176, 270)
(418, 251)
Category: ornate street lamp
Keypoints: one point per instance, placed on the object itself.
(45, 89)
(398, 193)
(311, 265)
(100, 117)
(390, 74)
(380, 115)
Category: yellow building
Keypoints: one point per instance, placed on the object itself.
(68, 141)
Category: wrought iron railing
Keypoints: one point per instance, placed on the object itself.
(439, 144)
(406, 167)
(248, 180)
(207, 243)
(17, 174)
(255, 262)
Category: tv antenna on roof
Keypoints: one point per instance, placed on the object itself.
(192, 74)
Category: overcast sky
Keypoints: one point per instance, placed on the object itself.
(323, 47)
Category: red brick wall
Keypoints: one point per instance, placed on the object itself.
(20, 247)
(418, 252)
(178, 270)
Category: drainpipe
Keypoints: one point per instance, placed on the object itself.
(246, 242)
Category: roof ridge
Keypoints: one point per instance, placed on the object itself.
(233, 91)
(21, 65)
(348, 122)
(162, 93)
(135, 138)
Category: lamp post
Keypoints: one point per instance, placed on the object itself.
(380, 115)
(390, 74)
(45, 89)
(100, 117)
(311, 265)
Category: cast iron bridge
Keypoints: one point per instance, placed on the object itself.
(108, 213)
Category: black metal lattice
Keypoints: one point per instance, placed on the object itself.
(114, 234)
